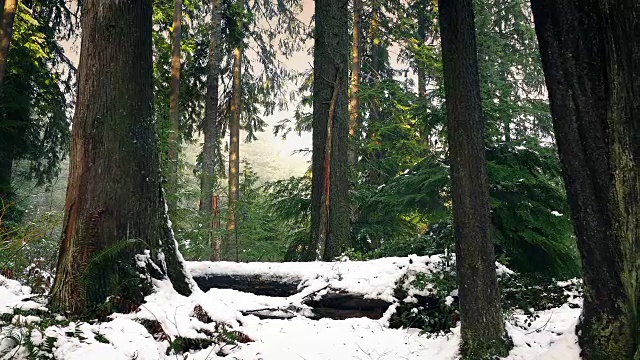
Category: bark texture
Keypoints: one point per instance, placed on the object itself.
(174, 107)
(591, 58)
(114, 206)
(6, 33)
(482, 325)
(329, 203)
(6, 167)
(234, 150)
(354, 100)
(422, 38)
(211, 130)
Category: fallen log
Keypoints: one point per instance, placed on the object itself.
(328, 303)
(255, 284)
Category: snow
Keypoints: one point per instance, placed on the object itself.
(549, 336)
(15, 296)
(375, 279)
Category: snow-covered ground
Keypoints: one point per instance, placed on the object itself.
(551, 336)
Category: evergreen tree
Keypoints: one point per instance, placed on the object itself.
(482, 326)
(6, 32)
(234, 129)
(329, 190)
(211, 130)
(114, 209)
(34, 122)
(354, 97)
(174, 106)
(590, 53)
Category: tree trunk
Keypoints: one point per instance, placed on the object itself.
(234, 151)
(422, 38)
(6, 167)
(354, 101)
(482, 326)
(115, 219)
(174, 108)
(377, 73)
(6, 33)
(591, 56)
(329, 205)
(211, 130)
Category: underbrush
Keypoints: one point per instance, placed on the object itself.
(429, 302)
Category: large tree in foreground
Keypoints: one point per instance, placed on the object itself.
(591, 59)
(329, 188)
(114, 209)
(482, 326)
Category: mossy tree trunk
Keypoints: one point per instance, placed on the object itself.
(591, 58)
(329, 189)
(354, 99)
(6, 33)
(234, 149)
(114, 207)
(482, 325)
(174, 109)
(211, 130)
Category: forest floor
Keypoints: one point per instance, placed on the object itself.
(549, 335)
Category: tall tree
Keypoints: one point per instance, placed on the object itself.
(354, 100)
(6, 32)
(422, 38)
(114, 209)
(234, 131)
(211, 130)
(482, 326)
(591, 56)
(329, 189)
(174, 110)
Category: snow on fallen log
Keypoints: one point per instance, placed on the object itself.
(373, 279)
(338, 290)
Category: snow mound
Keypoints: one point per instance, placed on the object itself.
(15, 296)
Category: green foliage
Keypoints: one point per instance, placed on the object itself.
(290, 201)
(429, 301)
(181, 345)
(126, 285)
(529, 210)
(262, 234)
(34, 117)
(28, 245)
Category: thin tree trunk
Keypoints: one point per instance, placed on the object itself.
(234, 150)
(329, 206)
(354, 101)
(422, 38)
(6, 167)
(174, 107)
(216, 239)
(482, 326)
(591, 56)
(377, 69)
(6, 33)
(114, 208)
(211, 130)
